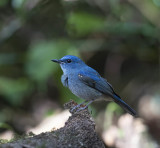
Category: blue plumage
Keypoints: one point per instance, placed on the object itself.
(86, 83)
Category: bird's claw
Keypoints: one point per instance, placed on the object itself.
(78, 108)
(82, 108)
(75, 107)
(72, 110)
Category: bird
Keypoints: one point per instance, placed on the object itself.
(86, 83)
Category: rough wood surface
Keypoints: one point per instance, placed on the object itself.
(78, 132)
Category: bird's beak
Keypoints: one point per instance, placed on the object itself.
(57, 61)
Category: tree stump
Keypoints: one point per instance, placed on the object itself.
(78, 132)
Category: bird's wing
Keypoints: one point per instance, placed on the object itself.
(94, 80)
(64, 80)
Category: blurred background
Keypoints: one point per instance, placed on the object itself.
(119, 38)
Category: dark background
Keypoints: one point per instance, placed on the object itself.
(119, 38)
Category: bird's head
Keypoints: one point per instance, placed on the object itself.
(69, 62)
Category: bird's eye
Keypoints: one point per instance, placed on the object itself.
(69, 61)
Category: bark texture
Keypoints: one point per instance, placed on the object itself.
(78, 132)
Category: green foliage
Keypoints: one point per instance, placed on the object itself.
(111, 109)
(82, 23)
(17, 137)
(13, 90)
(17, 3)
(3, 2)
(38, 63)
(49, 113)
(5, 126)
(3, 141)
(7, 59)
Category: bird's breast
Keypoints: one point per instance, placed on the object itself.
(82, 90)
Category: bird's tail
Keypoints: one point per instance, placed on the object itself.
(124, 105)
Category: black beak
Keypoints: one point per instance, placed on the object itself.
(56, 61)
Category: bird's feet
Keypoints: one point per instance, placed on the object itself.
(81, 106)
(76, 107)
